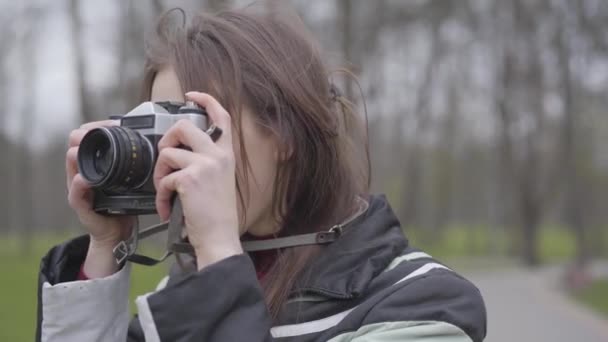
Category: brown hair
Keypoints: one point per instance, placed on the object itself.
(267, 63)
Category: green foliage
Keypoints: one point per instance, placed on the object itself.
(595, 296)
(19, 285)
(556, 244)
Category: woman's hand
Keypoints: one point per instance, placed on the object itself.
(204, 179)
(105, 231)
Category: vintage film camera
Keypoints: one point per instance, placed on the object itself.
(118, 161)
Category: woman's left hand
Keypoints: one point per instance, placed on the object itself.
(204, 179)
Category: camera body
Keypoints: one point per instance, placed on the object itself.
(118, 161)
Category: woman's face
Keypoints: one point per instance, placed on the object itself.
(262, 153)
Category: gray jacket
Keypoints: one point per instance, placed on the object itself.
(369, 285)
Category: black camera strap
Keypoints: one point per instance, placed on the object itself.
(125, 250)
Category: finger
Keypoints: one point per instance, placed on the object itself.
(76, 137)
(171, 159)
(165, 189)
(218, 115)
(71, 164)
(95, 124)
(80, 196)
(185, 133)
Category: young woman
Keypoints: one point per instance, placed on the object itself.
(286, 164)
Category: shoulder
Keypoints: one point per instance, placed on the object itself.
(424, 290)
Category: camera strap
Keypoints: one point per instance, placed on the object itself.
(125, 250)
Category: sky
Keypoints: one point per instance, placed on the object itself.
(53, 89)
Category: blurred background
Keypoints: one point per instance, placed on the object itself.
(488, 124)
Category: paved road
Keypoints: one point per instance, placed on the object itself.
(527, 305)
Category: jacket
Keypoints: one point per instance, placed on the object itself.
(369, 285)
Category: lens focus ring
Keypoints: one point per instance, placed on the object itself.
(116, 159)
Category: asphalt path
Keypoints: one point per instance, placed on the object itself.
(528, 305)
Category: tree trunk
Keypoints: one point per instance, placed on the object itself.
(218, 5)
(83, 98)
(530, 220)
(6, 147)
(157, 6)
(346, 17)
(571, 169)
(26, 118)
(411, 190)
(444, 164)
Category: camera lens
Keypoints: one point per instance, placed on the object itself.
(116, 159)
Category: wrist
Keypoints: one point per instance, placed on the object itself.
(100, 261)
(215, 252)
(109, 234)
(107, 243)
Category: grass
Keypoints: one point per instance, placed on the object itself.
(595, 296)
(556, 244)
(18, 295)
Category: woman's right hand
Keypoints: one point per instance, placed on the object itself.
(105, 231)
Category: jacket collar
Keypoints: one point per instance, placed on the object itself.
(368, 244)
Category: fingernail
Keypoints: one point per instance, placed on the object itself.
(190, 93)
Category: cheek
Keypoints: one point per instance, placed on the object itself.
(261, 176)
(258, 190)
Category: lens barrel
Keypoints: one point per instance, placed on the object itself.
(115, 159)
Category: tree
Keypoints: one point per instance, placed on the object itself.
(7, 168)
(522, 121)
(570, 140)
(411, 191)
(84, 100)
(25, 194)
